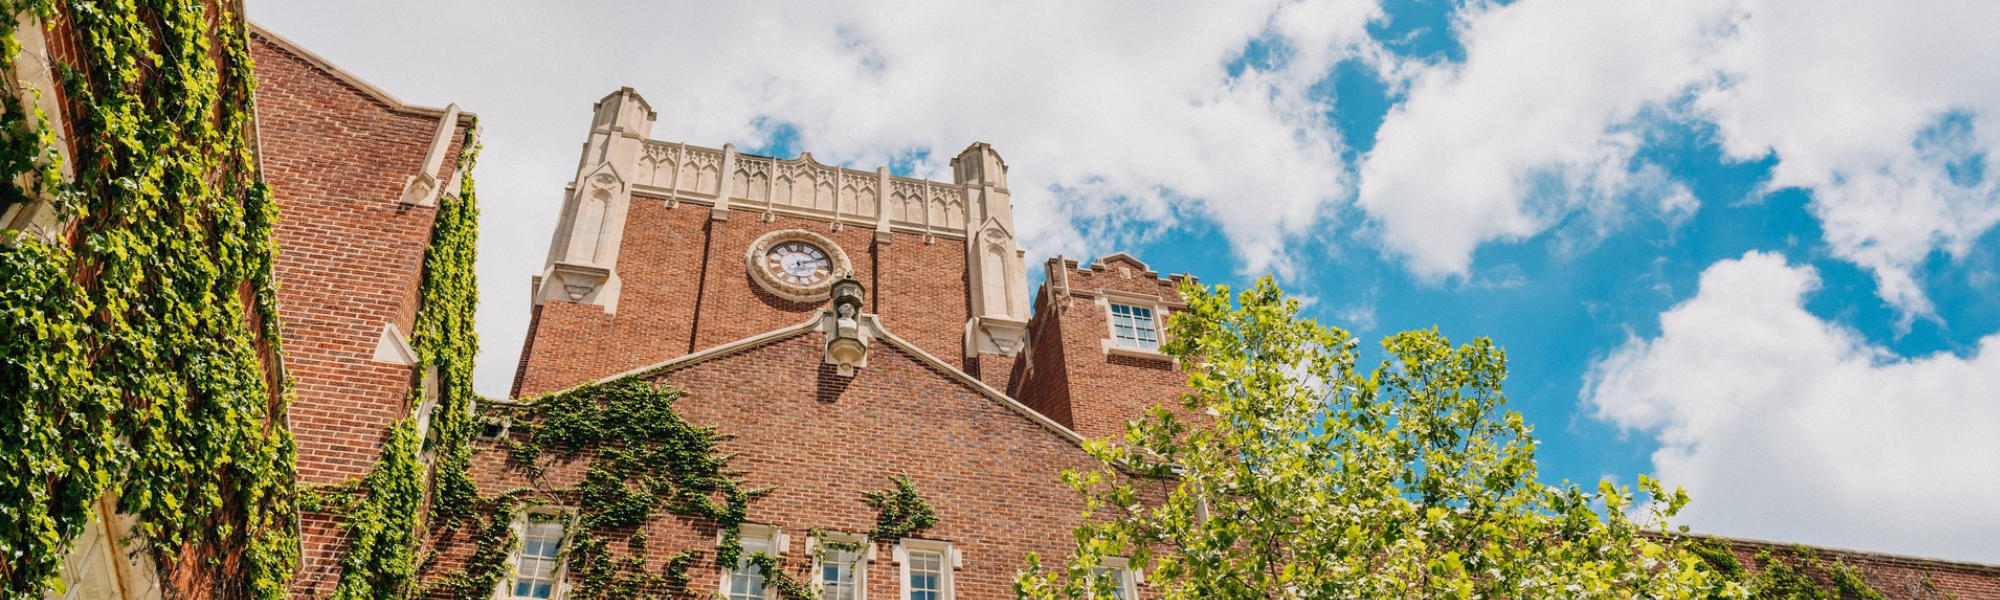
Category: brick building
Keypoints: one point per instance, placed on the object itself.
(358, 175)
(715, 272)
(712, 270)
(718, 273)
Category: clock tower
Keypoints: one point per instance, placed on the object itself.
(664, 249)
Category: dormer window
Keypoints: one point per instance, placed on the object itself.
(1134, 327)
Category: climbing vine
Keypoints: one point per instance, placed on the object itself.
(1798, 574)
(383, 520)
(488, 564)
(134, 343)
(901, 511)
(644, 459)
(444, 334)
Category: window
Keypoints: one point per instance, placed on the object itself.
(926, 575)
(1115, 573)
(841, 564)
(536, 567)
(1133, 327)
(836, 574)
(745, 581)
(493, 429)
(89, 572)
(927, 569)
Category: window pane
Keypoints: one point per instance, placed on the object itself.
(746, 581)
(535, 567)
(1133, 327)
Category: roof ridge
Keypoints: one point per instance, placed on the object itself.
(369, 89)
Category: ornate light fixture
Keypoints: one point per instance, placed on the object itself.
(846, 340)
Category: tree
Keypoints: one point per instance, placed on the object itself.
(1292, 474)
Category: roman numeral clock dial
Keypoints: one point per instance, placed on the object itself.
(796, 265)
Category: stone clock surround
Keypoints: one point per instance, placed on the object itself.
(753, 259)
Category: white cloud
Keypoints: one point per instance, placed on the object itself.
(1850, 95)
(1116, 118)
(1784, 426)
(1854, 98)
(1537, 123)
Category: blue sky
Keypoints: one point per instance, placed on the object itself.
(1749, 246)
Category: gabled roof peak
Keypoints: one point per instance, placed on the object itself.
(366, 88)
(880, 333)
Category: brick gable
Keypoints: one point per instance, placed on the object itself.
(1069, 375)
(685, 288)
(987, 466)
(350, 258)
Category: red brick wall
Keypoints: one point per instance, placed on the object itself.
(1898, 577)
(350, 256)
(822, 440)
(1073, 380)
(994, 370)
(1043, 379)
(675, 263)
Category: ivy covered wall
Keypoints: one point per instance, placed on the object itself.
(384, 512)
(139, 346)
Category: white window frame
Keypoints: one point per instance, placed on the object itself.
(100, 553)
(426, 413)
(950, 561)
(1145, 327)
(505, 424)
(504, 590)
(34, 68)
(1130, 583)
(780, 544)
(860, 568)
(1160, 310)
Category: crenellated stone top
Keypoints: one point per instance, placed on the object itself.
(801, 186)
(622, 165)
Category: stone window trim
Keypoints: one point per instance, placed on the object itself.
(504, 589)
(952, 560)
(495, 428)
(426, 414)
(1129, 584)
(105, 561)
(34, 69)
(779, 543)
(859, 569)
(1160, 309)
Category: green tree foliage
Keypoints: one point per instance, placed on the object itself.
(1292, 473)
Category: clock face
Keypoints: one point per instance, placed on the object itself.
(798, 263)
